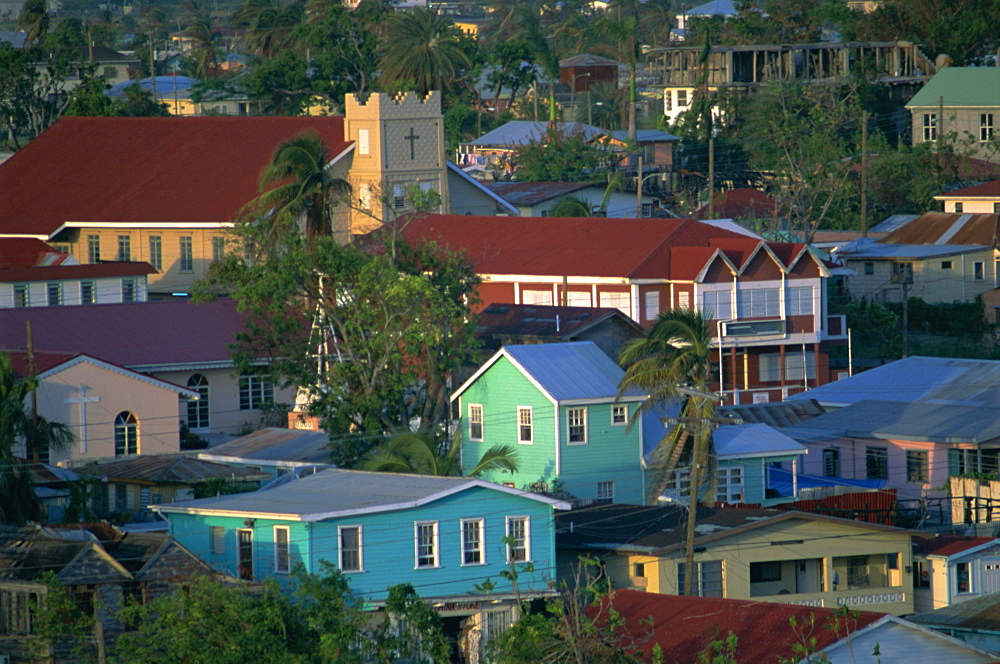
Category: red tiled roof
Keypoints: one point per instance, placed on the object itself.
(144, 169)
(740, 204)
(948, 545)
(90, 271)
(131, 334)
(28, 252)
(589, 247)
(683, 626)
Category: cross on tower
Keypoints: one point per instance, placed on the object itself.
(83, 400)
(412, 138)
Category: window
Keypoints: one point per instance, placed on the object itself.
(218, 249)
(683, 300)
(831, 462)
(55, 293)
(426, 535)
(398, 197)
(985, 127)
(977, 271)
(716, 305)
(916, 466)
(651, 300)
(575, 298)
(857, 572)
(124, 248)
(769, 367)
(682, 98)
(364, 142)
(668, 101)
(577, 425)
(996, 208)
(255, 391)
(518, 539)
(156, 252)
(921, 574)
(869, 269)
(947, 265)
(619, 415)
(126, 434)
(128, 290)
(93, 248)
(542, 297)
(22, 298)
(88, 292)
(729, 485)
(800, 301)
(605, 492)
(646, 210)
(198, 409)
(472, 542)
(877, 463)
(187, 254)
(475, 421)
(758, 303)
(708, 581)
(930, 127)
(902, 273)
(963, 580)
(619, 301)
(365, 197)
(350, 549)
(524, 432)
(282, 564)
(217, 538)
(958, 207)
(793, 367)
(244, 553)
(110, 72)
(767, 571)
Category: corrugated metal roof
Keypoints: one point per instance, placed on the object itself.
(977, 613)
(644, 136)
(172, 469)
(569, 371)
(523, 132)
(532, 193)
(588, 60)
(960, 86)
(781, 414)
(861, 250)
(341, 492)
(753, 440)
(948, 545)
(521, 321)
(274, 444)
(940, 380)
(892, 222)
(947, 228)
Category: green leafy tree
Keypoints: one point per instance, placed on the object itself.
(270, 26)
(423, 454)
(423, 50)
(562, 158)
(61, 626)
(88, 99)
(571, 206)
(34, 19)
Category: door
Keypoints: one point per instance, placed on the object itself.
(244, 553)
(991, 575)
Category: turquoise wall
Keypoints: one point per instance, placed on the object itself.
(388, 552)
(610, 454)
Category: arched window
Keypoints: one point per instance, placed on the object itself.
(198, 410)
(126, 434)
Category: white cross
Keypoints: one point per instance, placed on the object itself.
(83, 400)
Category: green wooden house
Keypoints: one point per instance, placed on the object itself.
(558, 406)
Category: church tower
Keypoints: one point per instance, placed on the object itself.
(398, 145)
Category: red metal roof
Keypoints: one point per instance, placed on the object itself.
(586, 247)
(43, 361)
(144, 169)
(131, 334)
(740, 204)
(28, 252)
(684, 626)
(948, 545)
(90, 271)
(986, 189)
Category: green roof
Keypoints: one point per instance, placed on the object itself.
(960, 86)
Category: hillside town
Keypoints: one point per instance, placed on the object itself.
(499, 332)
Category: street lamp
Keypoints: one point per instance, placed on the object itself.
(573, 91)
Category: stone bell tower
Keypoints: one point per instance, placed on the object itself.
(398, 144)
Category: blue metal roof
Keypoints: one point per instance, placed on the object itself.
(523, 132)
(644, 135)
(714, 8)
(744, 440)
(935, 380)
(868, 248)
(569, 371)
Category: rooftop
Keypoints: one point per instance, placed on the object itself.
(171, 469)
(960, 86)
(949, 545)
(274, 444)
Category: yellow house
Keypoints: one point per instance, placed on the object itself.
(788, 557)
(982, 198)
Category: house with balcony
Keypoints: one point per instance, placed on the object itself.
(765, 302)
(787, 557)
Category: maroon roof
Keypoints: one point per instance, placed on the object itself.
(588, 247)
(948, 545)
(986, 189)
(740, 204)
(43, 361)
(28, 252)
(90, 271)
(503, 321)
(532, 193)
(131, 334)
(684, 626)
(145, 169)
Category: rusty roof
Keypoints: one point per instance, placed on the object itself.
(533, 193)
(781, 414)
(947, 228)
(977, 613)
(949, 545)
(171, 469)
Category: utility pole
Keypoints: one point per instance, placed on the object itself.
(864, 174)
(33, 452)
(711, 177)
(638, 190)
(906, 313)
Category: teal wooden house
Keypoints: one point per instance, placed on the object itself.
(443, 535)
(557, 406)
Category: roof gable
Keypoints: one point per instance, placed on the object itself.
(960, 86)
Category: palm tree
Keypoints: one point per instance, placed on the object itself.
(423, 49)
(296, 184)
(18, 502)
(674, 362)
(571, 206)
(203, 49)
(270, 27)
(34, 19)
(419, 453)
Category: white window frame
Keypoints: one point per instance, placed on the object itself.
(156, 252)
(522, 422)
(480, 545)
(124, 248)
(525, 540)
(800, 301)
(282, 549)
(435, 552)
(54, 293)
(186, 256)
(130, 290)
(616, 410)
(606, 491)
(570, 425)
(259, 389)
(651, 303)
(341, 549)
(985, 127)
(930, 127)
(758, 303)
(978, 271)
(717, 305)
(729, 484)
(474, 410)
(364, 142)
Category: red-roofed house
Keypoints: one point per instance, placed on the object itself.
(742, 204)
(982, 198)
(953, 568)
(34, 274)
(766, 302)
(166, 190)
(684, 626)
